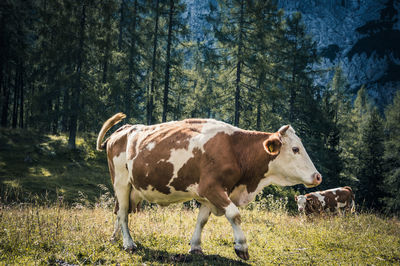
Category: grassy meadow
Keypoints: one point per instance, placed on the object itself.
(56, 209)
(33, 234)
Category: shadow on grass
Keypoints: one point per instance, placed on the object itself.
(160, 256)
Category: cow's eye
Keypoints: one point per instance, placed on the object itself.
(295, 150)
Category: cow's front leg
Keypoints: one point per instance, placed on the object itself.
(122, 192)
(219, 198)
(233, 216)
(202, 218)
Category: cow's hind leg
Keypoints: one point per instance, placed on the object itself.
(219, 198)
(123, 189)
(117, 229)
(202, 218)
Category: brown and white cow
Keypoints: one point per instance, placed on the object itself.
(334, 200)
(219, 165)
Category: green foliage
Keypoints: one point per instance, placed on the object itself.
(67, 66)
(371, 172)
(392, 156)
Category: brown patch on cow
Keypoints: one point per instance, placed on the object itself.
(251, 156)
(330, 200)
(220, 170)
(151, 167)
(313, 205)
(237, 219)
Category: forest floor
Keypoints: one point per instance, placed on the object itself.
(34, 165)
(56, 208)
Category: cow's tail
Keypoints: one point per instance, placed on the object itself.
(115, 119)
(353, 204)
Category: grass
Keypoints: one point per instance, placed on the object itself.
(56, 208)
(55, 234)
(37, 164)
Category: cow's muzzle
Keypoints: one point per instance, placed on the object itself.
(316, 180)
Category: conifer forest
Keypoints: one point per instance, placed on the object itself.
(66, 66)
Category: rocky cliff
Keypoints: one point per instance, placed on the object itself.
(362, 36)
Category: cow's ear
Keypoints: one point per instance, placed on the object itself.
(295, 197)
(273, 145)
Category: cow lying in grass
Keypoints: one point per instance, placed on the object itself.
(334, 200)
(221, 166)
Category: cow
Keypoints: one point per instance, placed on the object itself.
(221, 166)
(333, 200)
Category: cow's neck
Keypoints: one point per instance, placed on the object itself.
(252, 158)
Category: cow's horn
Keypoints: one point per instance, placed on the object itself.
(283, 129)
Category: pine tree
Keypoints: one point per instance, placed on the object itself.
(391, 183)
(371, 169)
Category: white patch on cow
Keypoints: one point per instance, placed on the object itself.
(195, 242)
(320, 198)
(152, 195)
(122, 188)
(120, 166)
(179, 157)
(290, 168)
(151, 146)
(241, 197)
(341, 204)
(231, 212)
(333, 190)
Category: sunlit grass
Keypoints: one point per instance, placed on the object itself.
(32, 233)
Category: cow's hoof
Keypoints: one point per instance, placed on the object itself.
(131, 249)
(244, 255)
(196, 252)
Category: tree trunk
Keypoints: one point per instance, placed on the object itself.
(292, 96)
(105, 59)
(168, 63)
(21, 98)
(16, 96)
(129, 85)
(4, 112)
(259, 101)
(150, 101)
(238, 66)
(77, 88)
(65, 110)
(121, 21)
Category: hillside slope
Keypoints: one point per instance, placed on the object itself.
(36, 164)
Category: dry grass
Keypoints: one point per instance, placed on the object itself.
(33, 234)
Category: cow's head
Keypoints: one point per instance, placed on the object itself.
(301, 202)
(291, 165)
